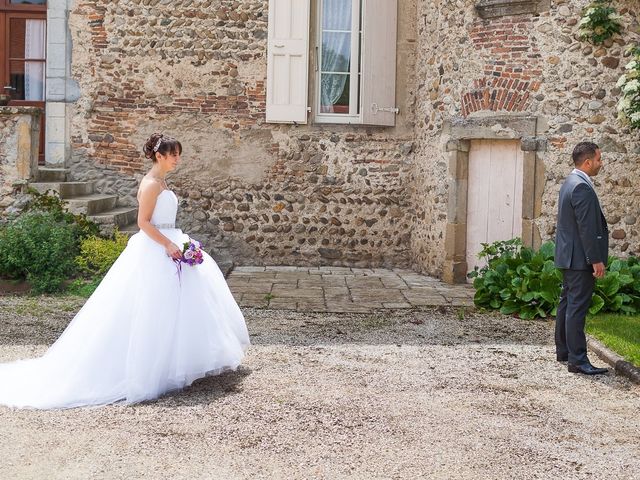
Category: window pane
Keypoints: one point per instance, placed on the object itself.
(336, 52)
(334, 93)
(29, 2)
(336, 15)
(16, 37)
(27, 81)
(27, 38)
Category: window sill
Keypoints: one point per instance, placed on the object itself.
(338, 119)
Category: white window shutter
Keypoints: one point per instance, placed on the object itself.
(379, 31)
(288, 61)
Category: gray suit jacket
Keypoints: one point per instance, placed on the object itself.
(582, 236)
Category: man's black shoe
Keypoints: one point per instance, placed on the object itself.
(586, 369)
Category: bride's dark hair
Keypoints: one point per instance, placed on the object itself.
(160, 143)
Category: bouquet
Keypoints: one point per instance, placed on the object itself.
(191, 255)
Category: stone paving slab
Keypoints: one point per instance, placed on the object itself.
(342, 289)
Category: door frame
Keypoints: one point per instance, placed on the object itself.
(529, 130)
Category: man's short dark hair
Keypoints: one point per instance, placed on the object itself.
(584, 151)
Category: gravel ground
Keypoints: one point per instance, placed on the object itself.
(433, 394)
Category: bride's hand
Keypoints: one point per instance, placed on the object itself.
(173, 251)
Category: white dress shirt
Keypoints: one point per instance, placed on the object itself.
(585, 176)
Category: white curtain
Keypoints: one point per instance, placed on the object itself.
(34, 48)
(336, 50)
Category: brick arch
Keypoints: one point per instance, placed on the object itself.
(498, 94)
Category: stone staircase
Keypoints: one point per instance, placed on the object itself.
(81, 198)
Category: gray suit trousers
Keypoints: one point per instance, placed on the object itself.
(577, 288)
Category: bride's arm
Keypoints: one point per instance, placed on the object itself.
(147, 201)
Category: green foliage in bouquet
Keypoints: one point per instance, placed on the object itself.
(517, 280)
(599, 22)
(520, 281)
(39, 248)
(98, 254)
(629, 83)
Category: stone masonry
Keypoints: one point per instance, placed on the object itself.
(533, 65)
(19, 133)
(266, 193)
(341, 195)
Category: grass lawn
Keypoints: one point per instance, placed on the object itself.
(621, 333)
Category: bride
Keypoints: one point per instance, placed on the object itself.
(146, 330)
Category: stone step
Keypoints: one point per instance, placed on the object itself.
(120, 217)
(51, 174)
(92, 204)
(65, 189)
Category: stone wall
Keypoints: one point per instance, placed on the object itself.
(531, 65)
(267, 193)
(343, 195)
(19, 141)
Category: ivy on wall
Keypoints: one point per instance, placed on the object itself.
(600, 22)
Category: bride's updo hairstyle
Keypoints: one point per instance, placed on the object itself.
(159, 143)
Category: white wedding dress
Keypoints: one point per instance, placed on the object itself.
(145, 331)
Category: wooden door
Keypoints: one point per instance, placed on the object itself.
(23, 40)
(494, 198)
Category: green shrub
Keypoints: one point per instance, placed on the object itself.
(39, 248)
(517, 280)
(50, 202)
(619, 290)
(98, 254)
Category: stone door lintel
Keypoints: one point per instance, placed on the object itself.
(500, 8)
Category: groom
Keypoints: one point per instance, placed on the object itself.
(582, 244)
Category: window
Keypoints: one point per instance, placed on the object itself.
(27, 58)
(338, 60)
(23, 34)
(355, 60)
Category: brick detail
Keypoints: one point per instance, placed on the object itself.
(512, 66)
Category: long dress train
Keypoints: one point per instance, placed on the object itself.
(145, 331)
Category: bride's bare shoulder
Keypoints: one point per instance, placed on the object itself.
(149, 187)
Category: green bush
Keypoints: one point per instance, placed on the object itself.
(39, 248)
(98, 254)
(50, 202)
(41, 244)
(619, 290)
(518, 280)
